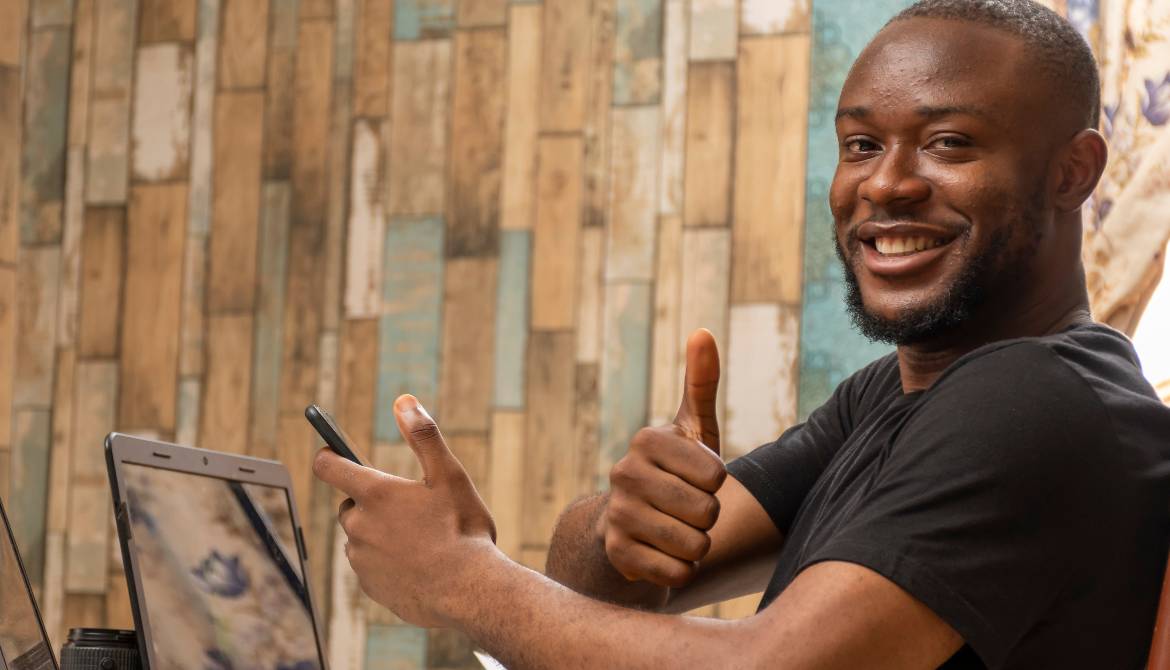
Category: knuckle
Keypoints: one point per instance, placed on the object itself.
(711, 511)
(715, 474)
(425, 431)
(623, 474)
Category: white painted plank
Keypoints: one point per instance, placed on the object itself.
(763, 361)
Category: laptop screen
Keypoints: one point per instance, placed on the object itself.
(222, 583)
(22, 640)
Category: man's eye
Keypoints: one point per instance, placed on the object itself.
(860, 146)
(951, 142)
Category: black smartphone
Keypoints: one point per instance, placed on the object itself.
(335, 438)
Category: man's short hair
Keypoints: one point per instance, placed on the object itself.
(1061, 51)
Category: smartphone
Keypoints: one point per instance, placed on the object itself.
(335, 438)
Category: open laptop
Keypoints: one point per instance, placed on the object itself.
(23, 642)
(215, 558)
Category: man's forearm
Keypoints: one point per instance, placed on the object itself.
(577, 559)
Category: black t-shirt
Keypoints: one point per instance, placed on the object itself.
(1023, 497)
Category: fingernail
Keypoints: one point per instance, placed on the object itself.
(406, 403)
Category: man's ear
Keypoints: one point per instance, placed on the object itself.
(1081, 164)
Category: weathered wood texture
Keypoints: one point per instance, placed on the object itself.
(213, 212)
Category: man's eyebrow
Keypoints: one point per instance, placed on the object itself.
(926, 111)
(852, 112)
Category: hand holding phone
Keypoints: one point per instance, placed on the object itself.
(335, 438)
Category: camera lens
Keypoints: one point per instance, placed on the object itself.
(100, 649)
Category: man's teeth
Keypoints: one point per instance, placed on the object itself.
(906, 245)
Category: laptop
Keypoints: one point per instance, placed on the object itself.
(23, 642)
(214, 557)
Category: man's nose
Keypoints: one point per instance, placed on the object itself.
(895, 181)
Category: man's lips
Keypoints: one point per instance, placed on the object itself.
(899, 249)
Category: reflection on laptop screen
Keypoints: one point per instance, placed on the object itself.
(22, 641)
(222, 581)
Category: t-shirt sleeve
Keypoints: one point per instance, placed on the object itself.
(992, 499)
(781, 473)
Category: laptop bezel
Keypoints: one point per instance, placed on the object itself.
(28, 589)
(124, 450)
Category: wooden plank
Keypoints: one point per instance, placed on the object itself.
(674, 107)
(279, 105)
(225, 407)
(150, 315)
(29, 468)
(187, 411)
(341, 119)
(633, 194)
(477, 137)
(52, 13)
(192, 336)
(474, 452)
(11, 130)
(395, 648)
(88, 538)
(625, 370)
(774, 17)
(521, 123)
(409, 331)
(316, 9)
(367, 221)
(109, 131)
(714, 29)
(511, 336)
(565, 59)
(347, 620)
(37, 288)
(52, 600)
(371, 77)
(423, 19)
(357, 382)
(548, 450)
(556, 237)
(665, 383)
(119, 614)
(465, 377)
(482, 13)
(763, 361)
(102, 244)
(46, 94)
(590, 292)
(203, 122)
(637, 77)
(418, 137)
(587, 435)
(297, 444)
(235, 226)
(81, 71)
(161, 132)
(243, 44)
(85, 610)
(703, 297)
(710, 143)
(13, 28)
(740, 608)
(167, 21)
(507, 480)
(269, 338)
(68, 306)
(597, 115)
(771, 137)
(9, 327)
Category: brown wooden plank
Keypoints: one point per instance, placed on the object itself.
(119, 614)
(676, 26)
(316, 9)
(548, 448)
(565, 80)
(81, 71)
(705, 272)
(474, 452)
(665, 382)
(102, 244)
(709, 144)
(88, 538)
(269, 321)
(770, 174)
(161, 132)
(193, 333)
(52, 600)
(46, 94)
(371, 77)
(38, 279)
(587, 430)
(225, 409)
(482, 13)
(556, 237)
(468, 356)
(13, 26)
(296, 447)
(61, 449)
(150, 317)
(357, 381)
(521, 123)
(167, 21)
(85, 611)
(507, 480)
(109, 131)
(418, 135)
(10, 135)
(8, 335)
(235, 225)
(279, 105)
(243, 44)
(477, 136)
(590, 292)
(597, 118)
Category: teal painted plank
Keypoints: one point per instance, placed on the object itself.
(30, 482)
(831, 349)
(409, 332)
(625, 370)
(45, 128)
(637, 75)
(512, 318)
(396, 648)
(423, 19)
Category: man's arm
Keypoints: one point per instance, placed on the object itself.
(744, 542)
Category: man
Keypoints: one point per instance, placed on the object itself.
(992, 495)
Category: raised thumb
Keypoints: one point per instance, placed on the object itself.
(696, 413)
(422, 434)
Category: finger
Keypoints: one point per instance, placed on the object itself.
(676, 498)
(681, 457)
(672, 537)
(348, 477)
(696, 413)
(637, 561)
(423, 436)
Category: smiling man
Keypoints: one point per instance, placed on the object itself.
(994, 494)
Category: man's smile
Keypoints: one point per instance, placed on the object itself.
(893, 249)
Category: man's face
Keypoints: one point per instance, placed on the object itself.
(939, 195)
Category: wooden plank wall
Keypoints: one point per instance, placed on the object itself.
(213, 212)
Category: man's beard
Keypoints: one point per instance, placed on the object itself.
(995, 265)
